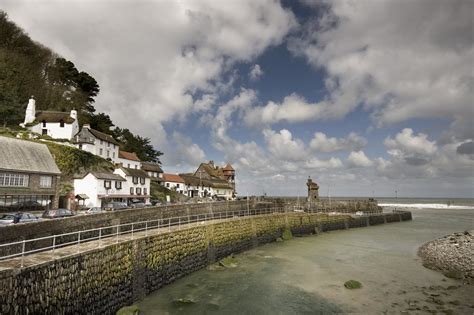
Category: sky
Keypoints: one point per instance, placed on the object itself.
(366, 97)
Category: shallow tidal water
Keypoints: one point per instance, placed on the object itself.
(306, 275)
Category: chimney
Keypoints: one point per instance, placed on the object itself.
(73, 114)
(30, 114)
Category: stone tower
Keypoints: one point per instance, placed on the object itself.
(313, 190)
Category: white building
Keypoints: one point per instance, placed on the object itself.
(123, 185)
(137, 185)
(98, 188)
(97, 143)
(207, 187)
(153, 170)
(174, 182)
(128, 159)
(57, 125)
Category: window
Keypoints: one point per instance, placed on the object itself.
(108, 153)
(108, 144)
(61, 123)
(135, 180)
(118, 184)
(100, 141)
(131, 190)
(128, 165)
(136, 166)
(177, 185)
(142, 180)
(167, 184)
(44, 132)
(144, 191)
(15, 180)
(107, 184)
(100, 151)
(80, 147)
(44, 123)
(138, 191)
(46, 181)
(113, 155)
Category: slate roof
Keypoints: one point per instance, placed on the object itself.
(134, 172)
(102, 175)
(54, 117)
(103, 136)
(172, 178)
(228, 167)
(190, 179)
(26, 156)
(151, 167)
(129, 156)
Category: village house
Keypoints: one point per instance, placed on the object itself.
(98, 143)
(29, 176)
(207, 188)
(153, 170)
(57, 125)
(175, 182)
(127, 185)
(128, 159)
(218, 174)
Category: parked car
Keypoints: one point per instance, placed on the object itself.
(138, 205)
(57, 213)
(156, 202)
(115, 205)
(94, 210)
(13, 218)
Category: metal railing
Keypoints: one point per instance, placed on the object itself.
(53, 242)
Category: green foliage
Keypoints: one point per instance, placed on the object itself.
(135, 143)
(228, 262)
(74, 161)
(353, 284)
(28, 68)
(159, 192)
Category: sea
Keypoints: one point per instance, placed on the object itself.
(306, 275)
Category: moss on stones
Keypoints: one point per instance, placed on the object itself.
(286, 235)
(129, 310)
(228, 262)
(352, 284)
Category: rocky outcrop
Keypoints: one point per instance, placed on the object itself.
(453, 255)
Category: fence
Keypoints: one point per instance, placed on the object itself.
(53, 242)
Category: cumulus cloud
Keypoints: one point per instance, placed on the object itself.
(255, 73)
(406, 144)
(466, 148)
(283, 146)
(167, 58)
(400, 60)
(358, 159)
(185, 153)
(321, 143)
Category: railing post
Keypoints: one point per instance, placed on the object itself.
(78, 241)
(179, 223)
(100, 237)
(132, 231)
(116, 235)
(22, 253)
(146, 228)
(54, 244)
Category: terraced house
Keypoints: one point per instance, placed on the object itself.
(29, 177)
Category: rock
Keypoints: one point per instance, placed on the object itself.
(228, 262)
(353, 284)
(183, 301)
(129, 310)
(286, 235)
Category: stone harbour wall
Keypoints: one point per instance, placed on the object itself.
(102, 280)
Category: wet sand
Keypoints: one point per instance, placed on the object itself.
(306, 275)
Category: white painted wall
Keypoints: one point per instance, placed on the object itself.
(101, 148)
(129, 163)
(180, 187)
(129, 184)
(93, 187)
(55, 131)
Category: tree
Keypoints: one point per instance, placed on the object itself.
(134, 143)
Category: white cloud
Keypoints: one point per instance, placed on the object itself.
(283, 146)
(400, 60)
(358, 159)
(321, 143)
(256, 72)
(407, 144)
(155, 55)
(185, 152)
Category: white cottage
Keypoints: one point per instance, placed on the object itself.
(99, 188)
(176, 182)
(128, 160)
(57, 125)
(98, 143)
(137, 184)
